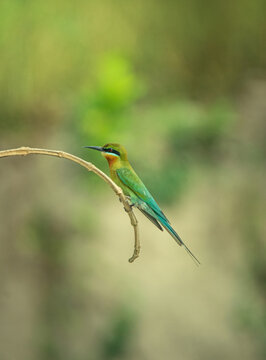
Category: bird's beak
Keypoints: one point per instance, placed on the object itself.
(99, 148)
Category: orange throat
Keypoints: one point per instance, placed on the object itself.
(110, 158)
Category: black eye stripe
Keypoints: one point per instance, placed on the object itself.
(110, 150)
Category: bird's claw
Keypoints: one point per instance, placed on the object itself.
(127, 210)
(131, 206)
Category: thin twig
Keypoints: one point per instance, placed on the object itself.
(23, 151)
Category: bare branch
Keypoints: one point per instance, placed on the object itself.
(23, 151)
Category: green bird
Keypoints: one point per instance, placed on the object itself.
(123, 175)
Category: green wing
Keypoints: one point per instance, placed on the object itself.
(133, 182)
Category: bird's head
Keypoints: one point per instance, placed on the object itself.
(111, 151)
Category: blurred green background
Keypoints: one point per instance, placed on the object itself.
(182, 85)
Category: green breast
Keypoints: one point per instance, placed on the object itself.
(118, 182)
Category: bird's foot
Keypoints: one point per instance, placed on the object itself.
(127, 210)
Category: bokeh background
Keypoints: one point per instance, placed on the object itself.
(182, 85)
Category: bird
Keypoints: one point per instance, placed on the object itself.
(123, 174)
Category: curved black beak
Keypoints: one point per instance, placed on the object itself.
(99, 148)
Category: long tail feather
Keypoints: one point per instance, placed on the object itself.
(177, 238)
(151, 218)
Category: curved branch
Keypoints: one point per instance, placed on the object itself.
(23, 151)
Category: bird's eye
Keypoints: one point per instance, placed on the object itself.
(110, 150)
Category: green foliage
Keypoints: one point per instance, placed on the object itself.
(193, 138)
(251, 311)
(103, 111)
(44, 228)
(50, 52)
(162, 79)
(198, 135)
(116, 341)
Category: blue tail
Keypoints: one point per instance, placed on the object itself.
(177, 238)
